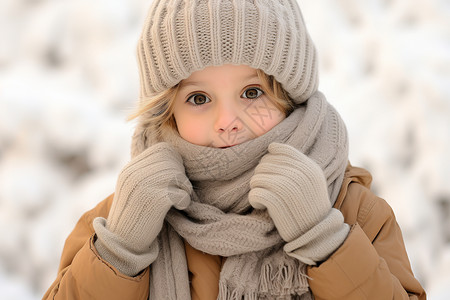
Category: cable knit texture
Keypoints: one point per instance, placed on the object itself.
(181, 37)
(146, 189)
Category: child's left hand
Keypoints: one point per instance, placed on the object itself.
(293, 189)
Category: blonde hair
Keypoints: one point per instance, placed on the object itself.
(158, 109)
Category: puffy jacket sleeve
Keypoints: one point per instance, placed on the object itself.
(83, 274)
(372, 263)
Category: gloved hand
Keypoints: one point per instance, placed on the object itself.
(147, 187)
(293, 189)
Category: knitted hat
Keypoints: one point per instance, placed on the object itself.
(184, 36)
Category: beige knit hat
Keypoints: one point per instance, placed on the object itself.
(184, 36)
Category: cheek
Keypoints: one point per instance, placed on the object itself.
(192, 130)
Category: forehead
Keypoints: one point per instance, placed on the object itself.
(237, 73)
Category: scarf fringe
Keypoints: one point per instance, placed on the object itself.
(287, 281)
(225, 293)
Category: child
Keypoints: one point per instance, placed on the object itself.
(239, 186)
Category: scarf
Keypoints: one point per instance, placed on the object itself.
(220, 220)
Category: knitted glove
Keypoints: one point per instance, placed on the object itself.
(147, 187)
(293, 189)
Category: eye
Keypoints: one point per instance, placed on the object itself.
(198, 99)
(252, 93)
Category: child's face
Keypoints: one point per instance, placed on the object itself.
(223, 106)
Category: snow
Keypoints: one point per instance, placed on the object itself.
(68, 80)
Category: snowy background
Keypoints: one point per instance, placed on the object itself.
(68, 79)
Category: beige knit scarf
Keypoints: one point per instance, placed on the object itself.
(220, 220)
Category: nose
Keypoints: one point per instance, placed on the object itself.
(227, 118)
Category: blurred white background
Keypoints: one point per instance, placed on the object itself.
(68, 79)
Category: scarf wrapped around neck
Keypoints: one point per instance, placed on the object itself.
(220, 220)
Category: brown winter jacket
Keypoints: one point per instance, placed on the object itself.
(372, 263)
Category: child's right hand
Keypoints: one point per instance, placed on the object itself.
(148, 186)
